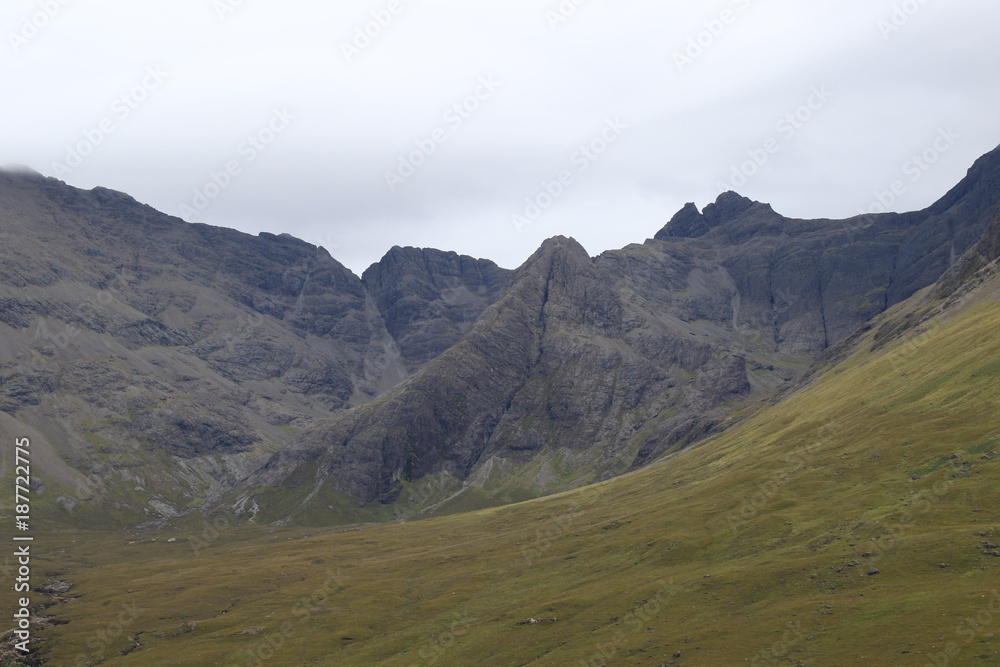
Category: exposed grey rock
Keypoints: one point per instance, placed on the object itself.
(640, 351)
(127, 336)
(430, 298)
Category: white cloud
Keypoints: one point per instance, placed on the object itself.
(323, 178)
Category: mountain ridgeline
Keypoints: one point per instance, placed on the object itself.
(164, 366)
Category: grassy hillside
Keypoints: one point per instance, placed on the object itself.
(854, 523)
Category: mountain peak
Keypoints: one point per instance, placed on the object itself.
(690, 223)
(727, 206)
(560, 245)
(20, 170)
(976, 190)
(686, 223)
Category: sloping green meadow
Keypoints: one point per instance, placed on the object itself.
(853, 523)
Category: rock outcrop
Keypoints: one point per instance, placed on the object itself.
(180, 362)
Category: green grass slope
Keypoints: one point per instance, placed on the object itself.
(854, 523)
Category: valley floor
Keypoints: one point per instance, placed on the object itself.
(855, 523)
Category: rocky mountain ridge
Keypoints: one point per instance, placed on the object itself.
(169, 359)
(632, 354)
(167, 364)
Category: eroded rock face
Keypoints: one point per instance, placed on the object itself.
(190, 360)
(819, 280)
(618, 359)
(430, 298)
(129, 334)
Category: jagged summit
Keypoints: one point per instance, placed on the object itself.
(727, 206)
(976, 192)
(557, 249)
(686, 223)
(728, 209)
(559, 242)
(209, 349)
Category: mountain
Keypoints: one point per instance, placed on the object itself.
(164, 365)
(429, 298)
(855, 521)
(159, 362)
(588, 367)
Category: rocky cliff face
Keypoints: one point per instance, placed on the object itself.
(985, 252)
(821, 279)
(184, 361)
(173, 359)
(430, 298)
(588, 366)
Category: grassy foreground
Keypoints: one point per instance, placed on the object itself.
(854, 523)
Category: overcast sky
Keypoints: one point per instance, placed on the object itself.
(487, 126)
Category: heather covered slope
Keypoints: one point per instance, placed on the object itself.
(855, 522)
